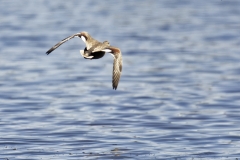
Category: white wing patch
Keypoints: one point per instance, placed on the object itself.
(89, 57)
(107, 50)
(82, 52)
(83, 38)
(112, 55)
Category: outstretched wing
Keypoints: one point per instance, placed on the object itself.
(117, 64)
(61, 42)
(117, 70)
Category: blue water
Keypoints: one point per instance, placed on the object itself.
(178, 97)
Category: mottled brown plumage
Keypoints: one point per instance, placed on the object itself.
(117, 65)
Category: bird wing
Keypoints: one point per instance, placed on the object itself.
(117, 64)
(87, 39)
(63, 41)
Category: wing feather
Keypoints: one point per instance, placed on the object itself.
(117, 69)
(117, 64)
(61, 42)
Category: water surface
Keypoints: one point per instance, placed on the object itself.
(178, 97)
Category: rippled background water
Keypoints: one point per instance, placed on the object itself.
(178, 97)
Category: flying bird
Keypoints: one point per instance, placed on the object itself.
(95, 50)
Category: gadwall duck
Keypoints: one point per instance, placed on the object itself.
(95, 50)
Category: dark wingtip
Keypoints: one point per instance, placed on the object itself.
(114, 87)
(49, 51)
